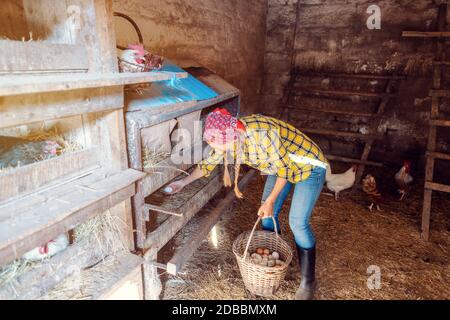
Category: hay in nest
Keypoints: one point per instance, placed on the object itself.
(85, 284)
(152, 157)
(13, 270)
(350, 238)
(104, 231)
(152, 160)
(51, 134)
(18, 267)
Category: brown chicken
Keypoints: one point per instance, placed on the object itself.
(369, 186)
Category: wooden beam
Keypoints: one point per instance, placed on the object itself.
(440, 123)
(426, 214)
(161, 202)
(23, 180)
(426, 34)
(41, 56)
(24, 109)
(352, 76)
(438, 155)
(166, 231)
(440, 93)
(441, 63)
(27, 84)
(437, 187)
(109, 275)
(339, 133)
(341, 112)
(43, 277)
(356, 161)
(208, 222)
(40, 217)
(306, 91)
(374, 126)
(434, 114)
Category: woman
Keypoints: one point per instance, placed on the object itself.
(291, 160)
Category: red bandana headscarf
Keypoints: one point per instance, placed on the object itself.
(221, 127)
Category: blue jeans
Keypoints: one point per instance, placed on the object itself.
(304, 199)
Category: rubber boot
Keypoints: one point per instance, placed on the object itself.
(307, 262)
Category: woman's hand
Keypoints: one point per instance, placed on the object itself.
(174, 187)
(266, 209)
(178, 185)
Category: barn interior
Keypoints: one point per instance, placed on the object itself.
(90, 140)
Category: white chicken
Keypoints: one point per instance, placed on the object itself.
(340, 182)
(135, 54)
(49, 249)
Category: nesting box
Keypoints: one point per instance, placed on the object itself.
(64, 89)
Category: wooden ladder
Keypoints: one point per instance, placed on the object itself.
(385, 97)
(437, 94)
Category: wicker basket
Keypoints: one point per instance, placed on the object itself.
(260, 280)
(153, 62)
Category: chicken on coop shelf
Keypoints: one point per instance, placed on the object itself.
(19, 152)
(49, 249)
(135, 54)
(340, 182)
(369, 186)
(403, 178)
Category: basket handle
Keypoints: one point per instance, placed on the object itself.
(253, 231)
(136, 27)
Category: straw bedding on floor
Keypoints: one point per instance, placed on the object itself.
(350, 239)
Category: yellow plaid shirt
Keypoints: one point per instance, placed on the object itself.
(268, 143)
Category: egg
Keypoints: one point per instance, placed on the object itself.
(271, 263)
(260, 251)
(256, 258)
(168, 190)
(276, 255)
(279, 262)
(266, 251)
(264, 262)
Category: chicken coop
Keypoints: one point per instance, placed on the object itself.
(104, 106)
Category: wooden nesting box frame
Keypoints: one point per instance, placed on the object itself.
(42, 81)
(137, 119)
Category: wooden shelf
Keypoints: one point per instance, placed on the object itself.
(437, 187)
(426, 34)
(441, 63)
(350, 160)
(203, 227)
(340, 112)
(37, 218)
(440, 123)
(98, 282)
(159, 238)
(316, 92)
(163, 203)
(27, 84)
(440, 93)
(339, 133)
(29, 285)
(167, 170)
(349, 75)
(438, 155)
